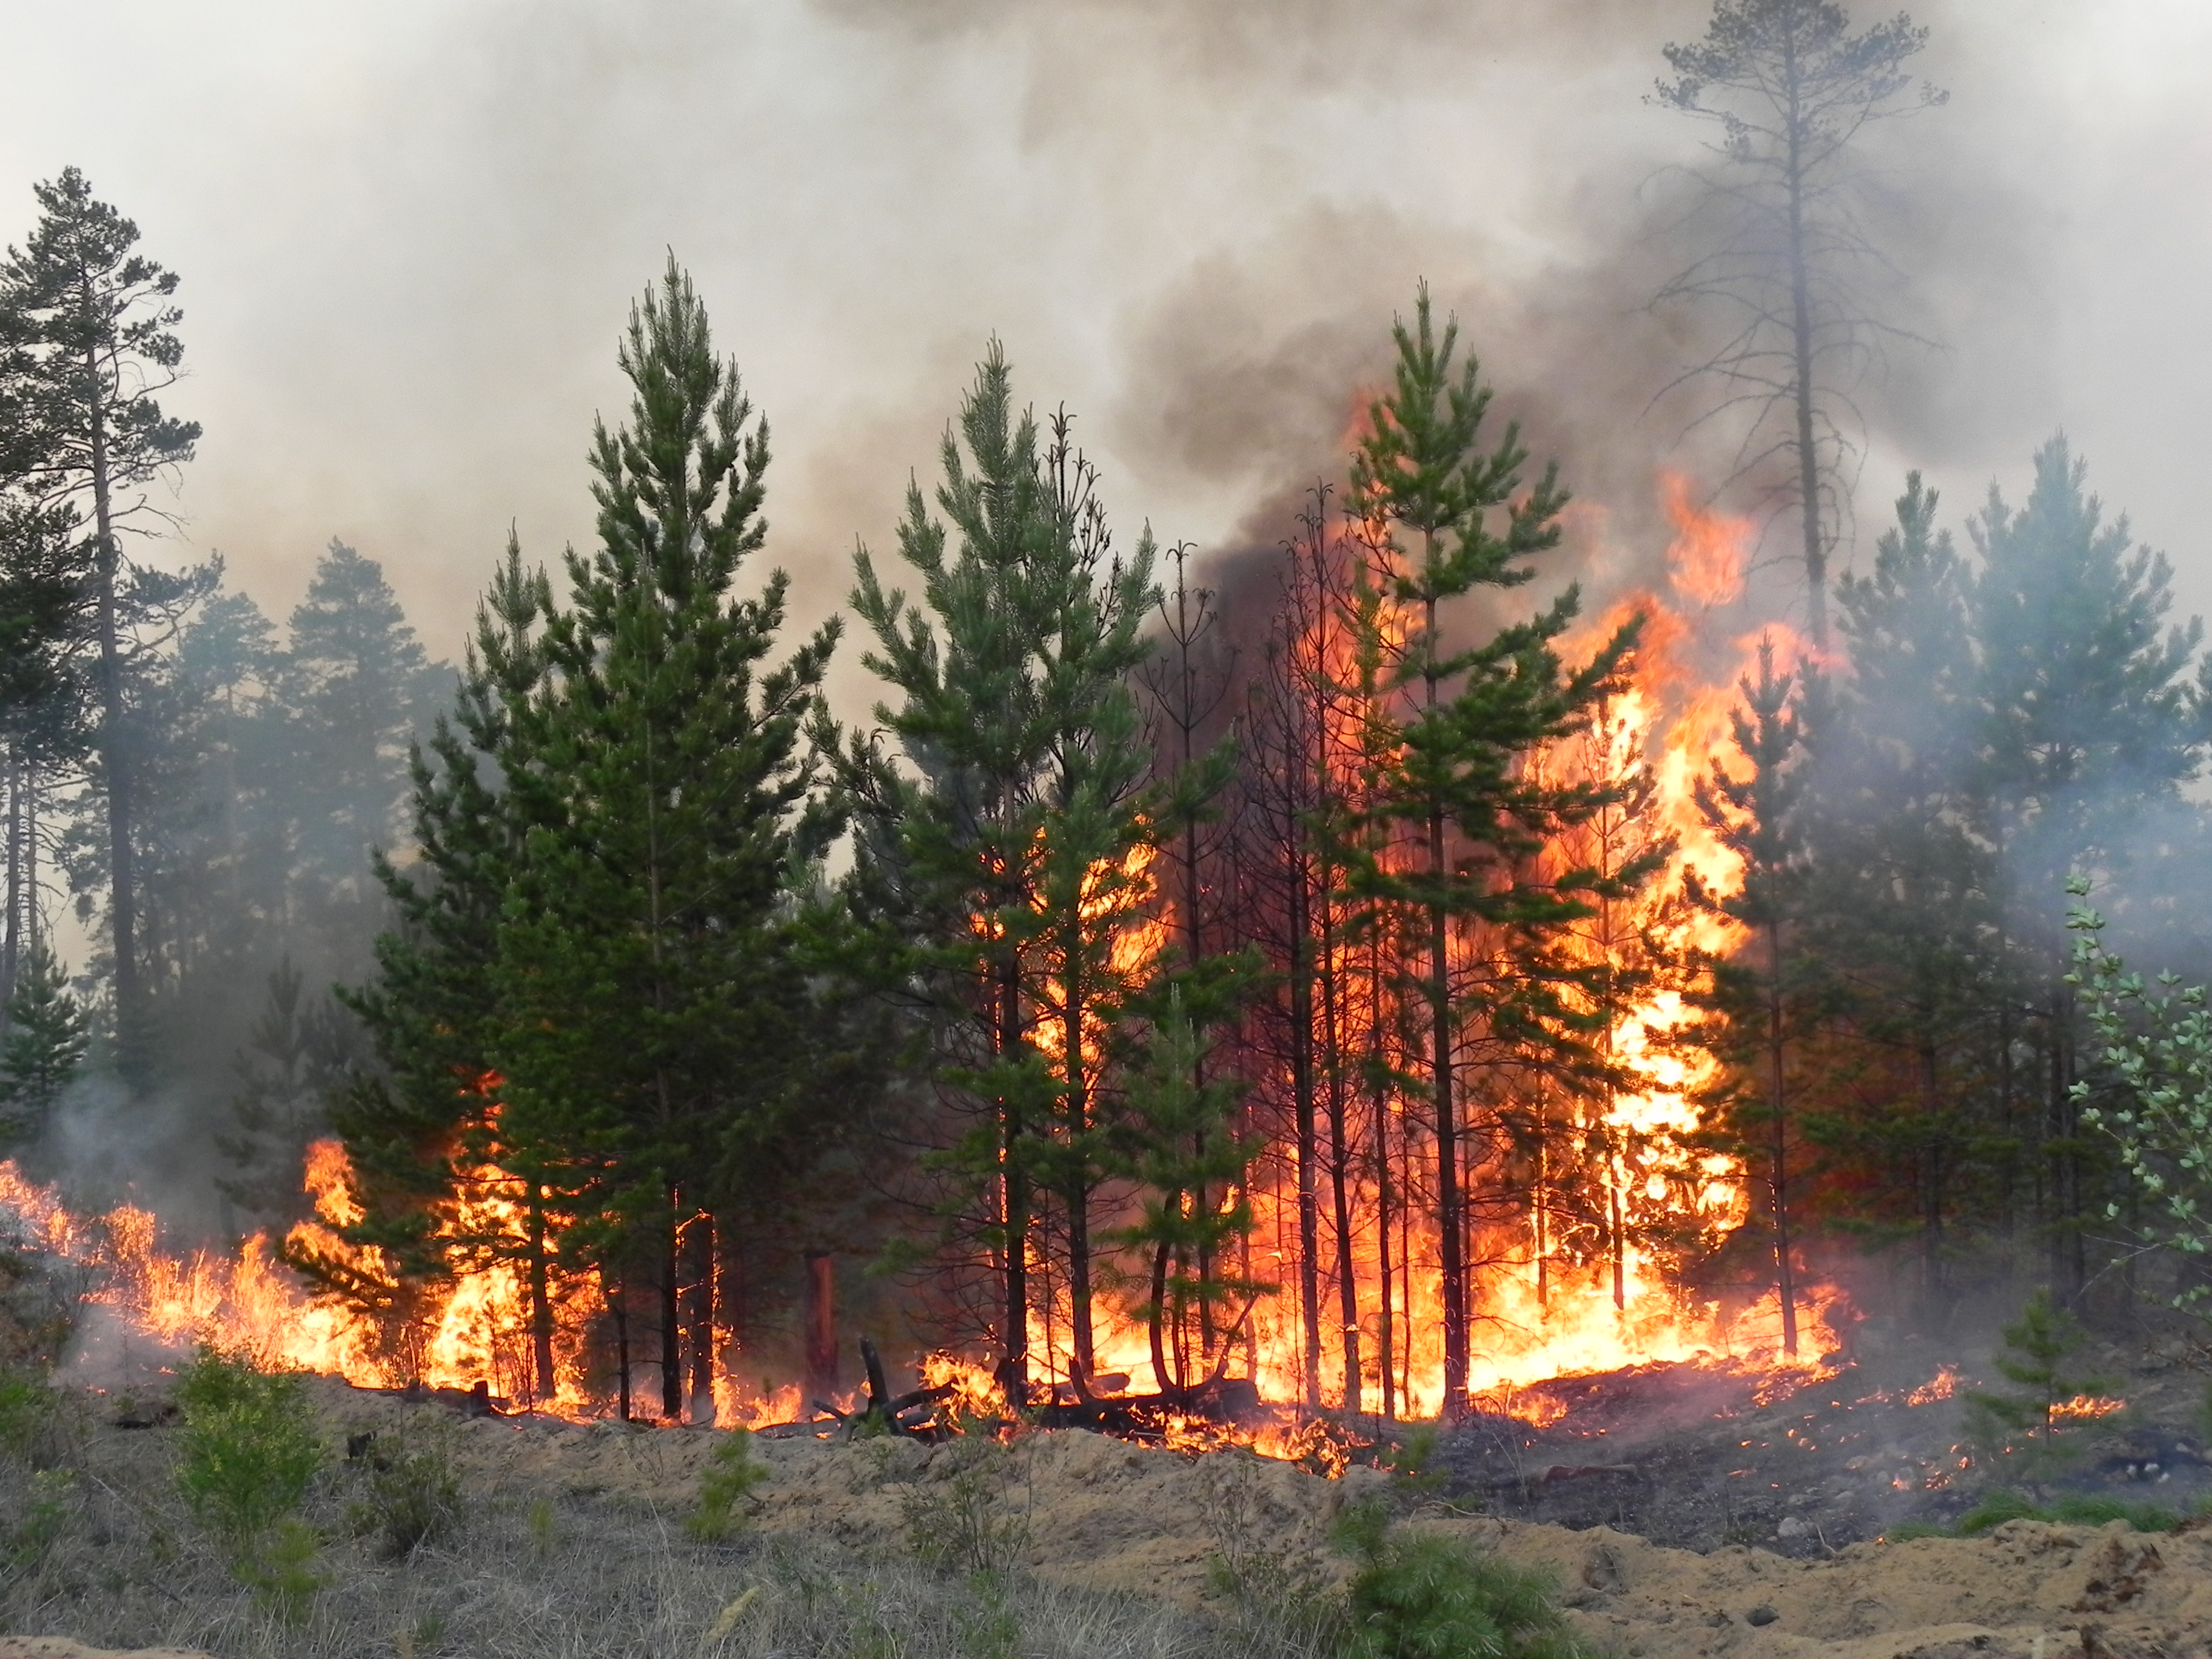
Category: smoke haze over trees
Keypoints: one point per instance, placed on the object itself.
(1089, 949)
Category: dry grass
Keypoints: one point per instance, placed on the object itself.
(95, 1544)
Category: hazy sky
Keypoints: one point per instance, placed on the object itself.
(409, 234)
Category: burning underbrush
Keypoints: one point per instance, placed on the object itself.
(135, 1308)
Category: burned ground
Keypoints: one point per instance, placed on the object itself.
(1690, 1458)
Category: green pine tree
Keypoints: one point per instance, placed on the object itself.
(426, 1112)
(655, 1028)
(1459, 720)
(91, 325)
(43, 1050)
(2028, 1421)
(1180, 1149)
(1007, 853)
(353, 678)
(1899, 899)
(1753, 804)
(2088, 728)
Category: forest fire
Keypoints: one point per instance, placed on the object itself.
(1593, 1201)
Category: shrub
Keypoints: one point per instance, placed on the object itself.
(281, 1571)
(410, 1492)
(732, 1474)
(1425, 1596)
(32, 1421)
(964, 1522)
(45, 1512)
(250, 1447)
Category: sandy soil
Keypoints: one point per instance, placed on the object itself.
(1105, 1514)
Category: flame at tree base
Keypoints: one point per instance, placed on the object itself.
(145, 1306)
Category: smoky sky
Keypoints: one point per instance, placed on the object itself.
(409, 234)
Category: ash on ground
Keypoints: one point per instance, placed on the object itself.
(1689, 1457)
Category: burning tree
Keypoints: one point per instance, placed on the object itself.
(636, 1046)
(1452, 727)
(1014, 846)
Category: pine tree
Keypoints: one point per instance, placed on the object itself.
(655, 1029)
(1789, 258)
(299, 1054)
(91, 324)
(2041, 1346)
(2088, 727)
(43, 1050)
(1753, 802)
(1465, 716)
(1014, 850)
(1181, 1149)
(428, 1112)
(353, 679)
(1899, 898)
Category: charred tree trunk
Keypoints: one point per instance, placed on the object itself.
(1450, 1223)
(11, 954)
(1014, 1370)
(546, 1384)
(115, 758)
(1931, 1179)
(703, 1259)
(819, 1316)
(672, 1313)
(1302, 1098)
(1786, 1287)
(1077, 1194)
(618, 1303)
(1801, 339)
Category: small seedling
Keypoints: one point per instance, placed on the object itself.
(726, 1487)
(2028, 1420)
(539, 1522)
(411, 1493)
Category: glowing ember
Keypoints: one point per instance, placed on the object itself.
(1942, 1386)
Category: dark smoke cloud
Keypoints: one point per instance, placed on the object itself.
(410, 234)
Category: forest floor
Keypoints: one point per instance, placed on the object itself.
(1761, 1536)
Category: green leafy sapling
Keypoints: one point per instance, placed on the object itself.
(2155, 1099)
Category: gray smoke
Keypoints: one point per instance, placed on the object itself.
(409, 235)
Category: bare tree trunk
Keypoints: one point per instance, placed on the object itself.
(1448, 1223)
(618, 1302)
(672, 1314)
(547, 1384)
(1302, 1098)
(115, 759)
(1808, 455)
(1931, 1181)
(11, 954)
(819, 1316)
(1014, 1371)
(1786, 1287)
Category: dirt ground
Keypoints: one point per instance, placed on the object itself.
(1104, 1513)
(1682, 1518)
